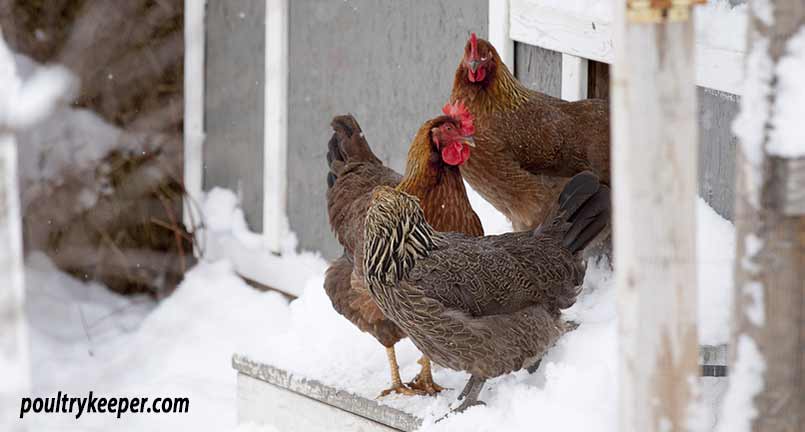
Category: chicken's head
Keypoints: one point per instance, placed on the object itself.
(453, 134)
(479, 59)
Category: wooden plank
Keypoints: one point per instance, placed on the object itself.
(313, 389)
(592, 38)
(263, 403)
(574, 78)
(717, 144)
(598, 80)
(499, 31)
(193, 105)
(655, 157)
(14, 357)
(769, 293)
(538, 68)
(275, 188)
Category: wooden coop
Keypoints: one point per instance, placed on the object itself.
(262, 79)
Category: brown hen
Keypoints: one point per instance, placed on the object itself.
(529, 144)
(485, 305)
(432, 174)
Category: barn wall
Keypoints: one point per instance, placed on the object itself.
(717, 146)
(233, 101)
(391, 64)
(538, 68)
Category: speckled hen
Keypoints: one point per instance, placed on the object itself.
(485, 305)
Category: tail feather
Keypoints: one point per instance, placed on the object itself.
(584, 211)
(345, 146)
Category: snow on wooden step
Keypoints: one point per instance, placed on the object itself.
(269, 395)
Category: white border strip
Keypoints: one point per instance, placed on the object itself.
(194, 39)
(591, 38)
(499, 31)
(574, 77)
(275, 188)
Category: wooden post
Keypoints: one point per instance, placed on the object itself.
(770, 223)
(654, 136)
(14, 361)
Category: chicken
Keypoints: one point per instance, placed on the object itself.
(432, 173)
(485, 305)
(528, 143)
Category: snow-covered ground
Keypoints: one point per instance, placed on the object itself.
(86, 338)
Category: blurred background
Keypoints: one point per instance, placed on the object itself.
(178, 144)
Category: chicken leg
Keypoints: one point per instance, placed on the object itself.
(424, 380)
(397, 385)
(469, 395)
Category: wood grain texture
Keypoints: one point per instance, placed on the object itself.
(770, 256)
(538, 68)
(654, 184)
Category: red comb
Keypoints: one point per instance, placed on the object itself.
(460, 113)
(473, 45)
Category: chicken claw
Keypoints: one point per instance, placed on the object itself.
(400, 388)
(424, 380)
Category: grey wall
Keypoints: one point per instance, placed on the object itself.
(390, 64)
(717, 146)
(538, 68)
(233, 101)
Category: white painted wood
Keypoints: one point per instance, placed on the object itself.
(15, 372)
(654, 133)
(193, 106)
(347, 404)
(275, 191)
(574, 77)
(591, 38)
(14, 357)
(499, 31)
(266, 404)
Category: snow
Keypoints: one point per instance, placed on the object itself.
(716, 254)
(788, 136)
(228, 237)
(25, 102)
(746, 381)
(750, 123)
(86, 338)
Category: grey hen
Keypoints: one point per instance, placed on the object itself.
(485, 305)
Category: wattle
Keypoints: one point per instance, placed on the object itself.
(455, 153)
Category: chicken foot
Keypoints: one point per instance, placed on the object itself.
(397, 385)
(424, 379)
(468, 396)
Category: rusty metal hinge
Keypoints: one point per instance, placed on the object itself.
(657, 11)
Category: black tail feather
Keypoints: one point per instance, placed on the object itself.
(584, 210)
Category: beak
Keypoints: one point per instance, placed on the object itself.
(473, 64)
(470, 141)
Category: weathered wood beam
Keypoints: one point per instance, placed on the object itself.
(655, 164)
(769, 332)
